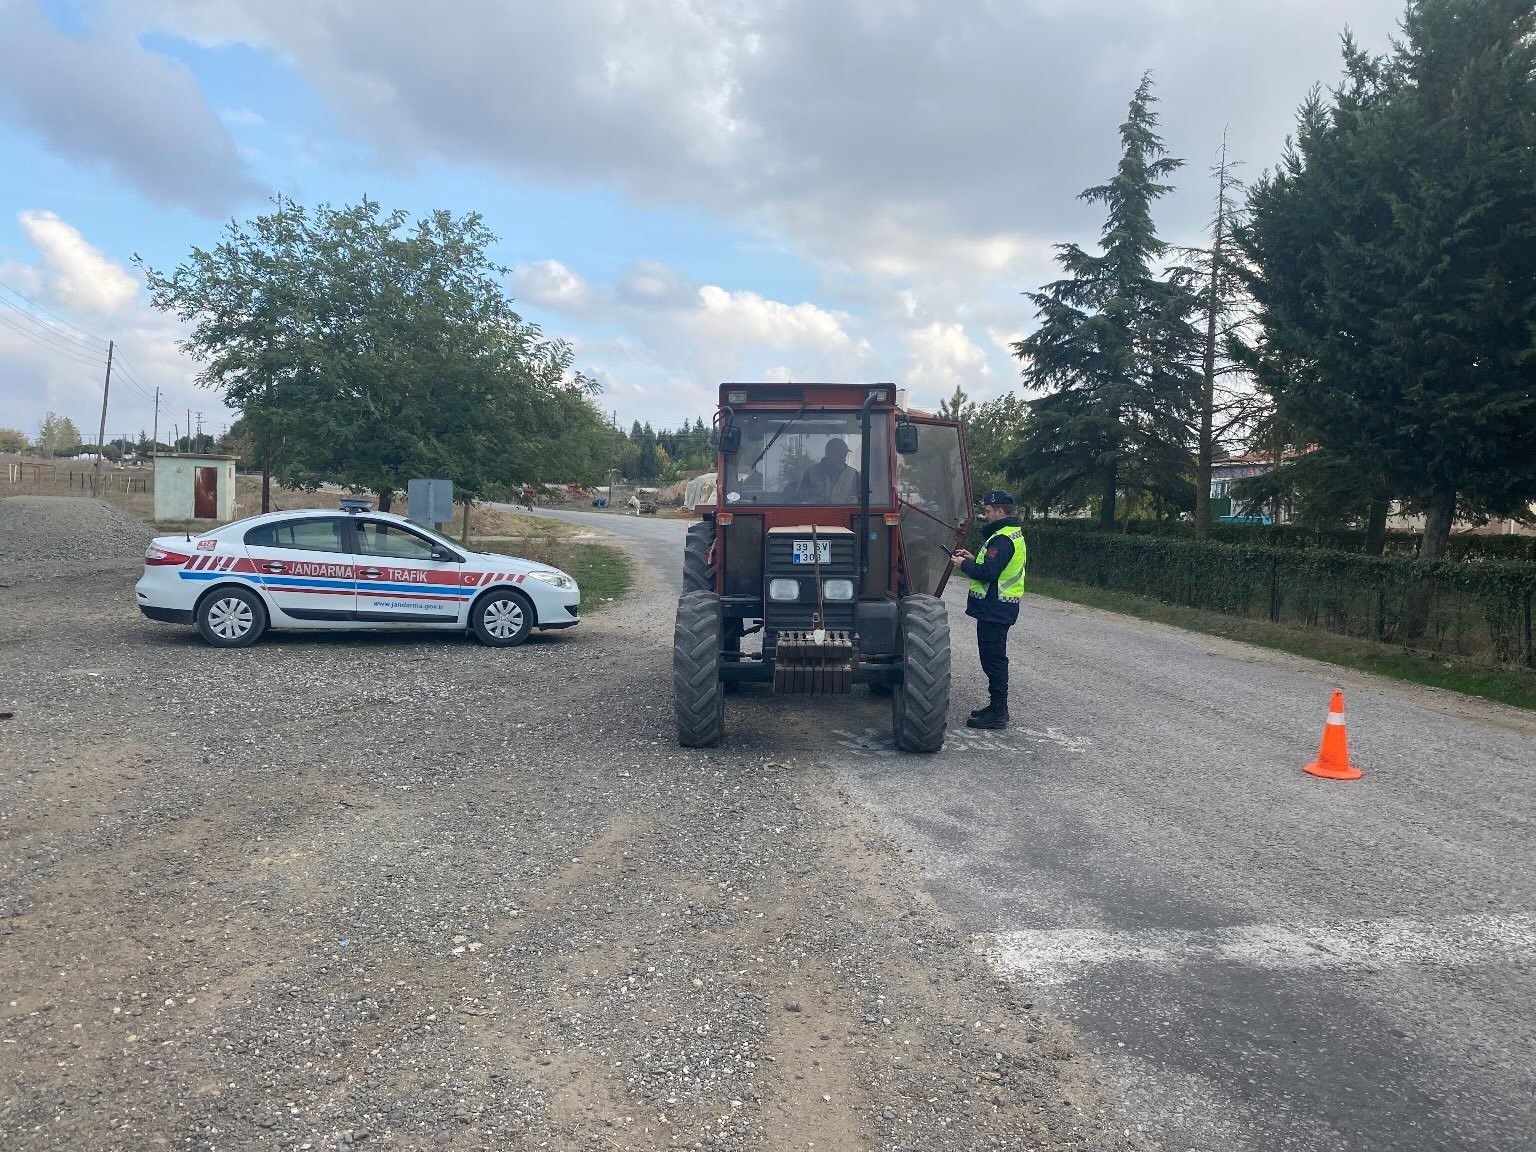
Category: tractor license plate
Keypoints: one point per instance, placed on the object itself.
(803, 554)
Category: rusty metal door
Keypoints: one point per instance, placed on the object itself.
(205, 494)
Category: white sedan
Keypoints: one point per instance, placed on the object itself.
(347, 570)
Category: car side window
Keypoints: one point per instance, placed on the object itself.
(378, 539)
(311, 534)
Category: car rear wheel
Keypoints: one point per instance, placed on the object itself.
(502, 619)
(231, 618)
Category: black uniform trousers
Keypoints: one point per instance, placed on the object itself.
(992, 644)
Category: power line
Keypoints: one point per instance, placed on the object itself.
(73, 343)
(45, 334)
(132, 380)
(129, 371)
(53, 331)
(55, 315)
(58, 350)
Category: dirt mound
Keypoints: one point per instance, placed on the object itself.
(45, 536)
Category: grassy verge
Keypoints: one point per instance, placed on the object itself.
(1505, 685)
(601, 569)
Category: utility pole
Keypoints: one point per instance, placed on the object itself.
(191, 444)
(154, 440)
(101, 433)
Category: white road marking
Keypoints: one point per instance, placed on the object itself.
(878, 741)
(1062, 955)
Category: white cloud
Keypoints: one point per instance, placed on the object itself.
(941, 356)
(77, 275)
(652, 284)
(926, 203)
(47, 366)
(550, 284)
(104, 99)
(787, 113)
(749, 319)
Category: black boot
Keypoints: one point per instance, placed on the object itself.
(992, 717)
(982, 711)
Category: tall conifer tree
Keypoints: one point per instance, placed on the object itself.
(1115, 349)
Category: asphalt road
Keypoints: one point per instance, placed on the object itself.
(1259, 959)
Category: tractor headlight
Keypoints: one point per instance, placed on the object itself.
(558, 579)
(837, 589)
(783, 589)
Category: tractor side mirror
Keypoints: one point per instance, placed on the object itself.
(730, 440)
(906, 438)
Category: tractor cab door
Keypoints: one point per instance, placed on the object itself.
(933, 491)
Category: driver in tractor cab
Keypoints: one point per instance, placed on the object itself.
(830, 480)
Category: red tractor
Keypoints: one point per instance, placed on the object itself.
(829, 536)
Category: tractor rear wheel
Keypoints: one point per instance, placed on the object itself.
(698, 697)
(698, 572)
(920, 703)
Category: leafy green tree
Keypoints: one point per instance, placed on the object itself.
(371, 349)
(1115, 349)
(1393, 258)
(57, 436)
(13, 440)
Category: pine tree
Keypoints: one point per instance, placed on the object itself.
(1394, 261)
(1222, 314)
(1115, 349)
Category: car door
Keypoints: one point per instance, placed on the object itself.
(405, 577)
(305, 566)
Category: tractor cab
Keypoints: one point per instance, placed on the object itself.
(834, 512)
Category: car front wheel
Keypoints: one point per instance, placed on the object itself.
(502, 619)
(231, 618)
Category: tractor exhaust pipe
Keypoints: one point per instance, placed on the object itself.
(869, 402)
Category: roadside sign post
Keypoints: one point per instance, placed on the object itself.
(429, 502)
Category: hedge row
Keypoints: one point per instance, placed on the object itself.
(1478, 609)
(1462, 547)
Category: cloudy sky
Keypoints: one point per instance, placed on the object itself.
(689, 191)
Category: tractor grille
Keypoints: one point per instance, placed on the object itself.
(797, 615)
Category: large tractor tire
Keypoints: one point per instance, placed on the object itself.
(920, 703)
(698, 571)
(698, 696)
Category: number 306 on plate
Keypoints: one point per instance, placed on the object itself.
(803, 555)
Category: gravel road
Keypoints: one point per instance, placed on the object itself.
(1257, 959)
(404, 892)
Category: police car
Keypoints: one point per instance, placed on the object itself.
(347, 569)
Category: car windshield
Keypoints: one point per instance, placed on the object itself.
(794, 457)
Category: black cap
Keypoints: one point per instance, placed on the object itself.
(998, 496)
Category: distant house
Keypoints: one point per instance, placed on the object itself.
(1226, 473)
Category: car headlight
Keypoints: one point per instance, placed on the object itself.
(783, 589)
(558, 579)
(837, 589)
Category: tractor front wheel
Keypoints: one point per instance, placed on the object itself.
(920, 703)
(698, 697)
(698, 572)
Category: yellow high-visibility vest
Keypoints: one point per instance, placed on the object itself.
(1010, 583)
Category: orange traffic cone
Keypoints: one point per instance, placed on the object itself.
(1332, 761)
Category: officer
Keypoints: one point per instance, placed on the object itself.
(997, 586)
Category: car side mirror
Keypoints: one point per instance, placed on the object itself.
(730, 440)
(906, 438)
(441, 553)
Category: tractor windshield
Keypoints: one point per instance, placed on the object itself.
(809, 457)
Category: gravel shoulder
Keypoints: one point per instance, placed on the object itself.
(406, 892)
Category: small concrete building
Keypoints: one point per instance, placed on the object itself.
(194, 486)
